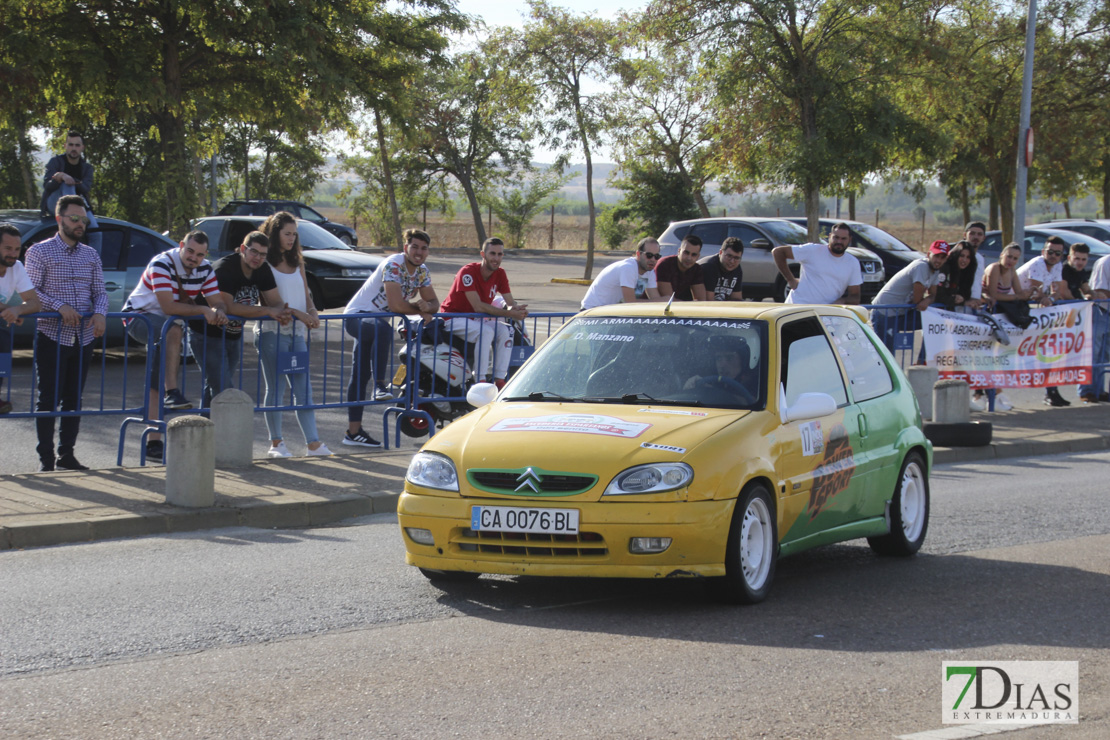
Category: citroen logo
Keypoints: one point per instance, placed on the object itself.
(529, 479)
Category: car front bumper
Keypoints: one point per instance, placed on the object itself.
(698, 533)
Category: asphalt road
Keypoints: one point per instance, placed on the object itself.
(326, 633)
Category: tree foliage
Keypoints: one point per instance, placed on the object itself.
(515, 207)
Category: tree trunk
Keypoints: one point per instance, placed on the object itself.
(387, 173)
(1106, 187)
(813, 211)
(593, 217)
(965, 202)
(24, 153)
(1067, 207)
(475, 207)
(992, 217)
(699, 195)
(851, 205)
(171, 128)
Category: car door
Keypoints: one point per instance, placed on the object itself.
(760, 272)
(815, 458)
(877, 421)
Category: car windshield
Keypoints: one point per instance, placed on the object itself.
(671, 361)
(785, 232)
(314, 237)
(883, 240)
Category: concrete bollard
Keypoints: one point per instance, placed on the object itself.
(951, 402)
(190, 462)
(233, 416)
(922, 379)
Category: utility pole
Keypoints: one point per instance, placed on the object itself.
(1025, 133)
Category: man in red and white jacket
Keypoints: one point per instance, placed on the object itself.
(474, 290)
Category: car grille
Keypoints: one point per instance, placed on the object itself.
(530, 482)
(545, 546)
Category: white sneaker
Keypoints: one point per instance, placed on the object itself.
(383, 394)
(978, 403)
(322, 450)
(1002, 403)
(280, 451)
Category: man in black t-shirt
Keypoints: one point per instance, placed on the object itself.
(246, 283)
(722, 274)
(1076, 274)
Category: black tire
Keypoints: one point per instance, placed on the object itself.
(317, 293)
(779, 295)
(447, 576)
(414, 426)
(346, 239)
(752, 549)
(965, 434)
(909, 511)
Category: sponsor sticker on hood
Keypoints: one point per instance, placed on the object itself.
(675, 412)
(607, 426)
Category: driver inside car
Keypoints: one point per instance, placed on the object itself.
(733, 360)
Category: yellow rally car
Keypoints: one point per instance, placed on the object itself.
(700, 439)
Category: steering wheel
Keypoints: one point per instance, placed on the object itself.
(728, 385)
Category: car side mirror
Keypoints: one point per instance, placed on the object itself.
(760, 244)
(481, 394)
(810, 406)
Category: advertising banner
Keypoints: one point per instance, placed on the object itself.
(1053, 350)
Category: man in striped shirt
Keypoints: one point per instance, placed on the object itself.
(167, 292)
(68, 279)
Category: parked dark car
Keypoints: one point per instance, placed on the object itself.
(125, 250)
(346, 234)
(894, 252)
(334, 270)
(760, 236)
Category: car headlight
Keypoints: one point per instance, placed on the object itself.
(431, 470)
(359, 272)
(653, 478)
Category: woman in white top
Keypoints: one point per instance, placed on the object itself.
(285, 260)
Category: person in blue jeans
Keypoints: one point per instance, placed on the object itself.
(275, 341)
(401, 284)
(915, 285)
(1100, 326)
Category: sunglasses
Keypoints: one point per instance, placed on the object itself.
(1057, 252)
(78, 219)
(651, 256)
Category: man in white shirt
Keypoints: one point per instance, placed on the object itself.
(1044, 275)
(17, 295)
(829, 273)
(627, 280)
(1100, 291)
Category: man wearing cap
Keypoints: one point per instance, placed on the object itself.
(914, 285)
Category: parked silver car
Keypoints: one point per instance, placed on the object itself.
(760, 236)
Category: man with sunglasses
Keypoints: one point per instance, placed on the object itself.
(249, 291)
(68, 279)
(627, 280)
(1044, 275)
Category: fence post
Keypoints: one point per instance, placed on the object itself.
(190, 462)
(233, 417)
(923, 379)
(950, 402)
(551, 231)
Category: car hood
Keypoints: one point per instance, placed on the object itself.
(863, 253)
(590, 439)
(342, 258)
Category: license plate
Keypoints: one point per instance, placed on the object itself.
(872, 277)
(525, 520)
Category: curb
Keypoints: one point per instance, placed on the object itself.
(572, 281)
(270, 516)
(1003, 450)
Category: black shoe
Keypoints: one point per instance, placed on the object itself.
(5, 407)
(155, 450)
(1104, 397)
(69, 462)
(175, 400)
(46, 466)
(1053, 398)
(360, 439)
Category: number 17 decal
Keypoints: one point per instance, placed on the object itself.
(812, 441)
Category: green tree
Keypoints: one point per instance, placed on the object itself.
(568, 55)
(654, 196)
(805, 84)
(662, 112)
(472, 122)
(516, 207)
(193, 66)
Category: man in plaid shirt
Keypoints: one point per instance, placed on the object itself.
(170, 289)
(68, 278)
